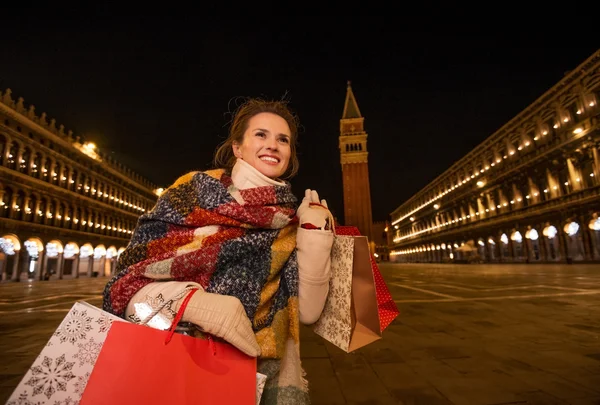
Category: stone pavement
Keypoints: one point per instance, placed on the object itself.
(467, 334)
(473, 334)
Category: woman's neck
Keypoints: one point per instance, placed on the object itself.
(244, 176)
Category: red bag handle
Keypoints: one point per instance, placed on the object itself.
(179, 314)
(331, 220)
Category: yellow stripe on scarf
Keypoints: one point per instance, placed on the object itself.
(281, 249)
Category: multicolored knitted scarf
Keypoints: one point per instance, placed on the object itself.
(233, 242)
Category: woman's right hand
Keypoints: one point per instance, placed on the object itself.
(223, 316)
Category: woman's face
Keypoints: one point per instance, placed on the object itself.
(266, 144)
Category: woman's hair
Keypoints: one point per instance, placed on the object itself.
(224, 156)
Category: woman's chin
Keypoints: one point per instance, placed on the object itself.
(273, 172)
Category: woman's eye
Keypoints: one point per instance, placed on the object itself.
(261, 134)
(284, 139)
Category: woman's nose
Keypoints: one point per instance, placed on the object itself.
(272, 144)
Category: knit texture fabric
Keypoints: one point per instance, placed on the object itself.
(232, 242)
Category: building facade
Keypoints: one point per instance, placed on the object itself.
(354, 159)
(67, 210)
(528, 193)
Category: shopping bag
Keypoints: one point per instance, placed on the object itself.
(142, 365)
(387, 308)
(60, 372)
(350, 318)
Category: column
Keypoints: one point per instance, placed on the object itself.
(15, 269)
(587, 238)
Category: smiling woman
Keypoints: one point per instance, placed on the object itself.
(261, 262)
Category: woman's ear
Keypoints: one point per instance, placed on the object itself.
(236, 150)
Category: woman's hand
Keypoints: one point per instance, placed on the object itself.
(317, 216)
(223, 316)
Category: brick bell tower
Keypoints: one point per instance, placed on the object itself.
(355, 167)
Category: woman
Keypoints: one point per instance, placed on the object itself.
(234, 232)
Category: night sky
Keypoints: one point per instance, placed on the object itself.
(156, 92)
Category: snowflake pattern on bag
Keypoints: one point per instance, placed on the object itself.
(23, 399)
(74, 328)
(105, 322)
(335, 323)
(81, 383)
(88, 352)
(51, 376)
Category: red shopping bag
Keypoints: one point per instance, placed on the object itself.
(141, 365)
(388, 310)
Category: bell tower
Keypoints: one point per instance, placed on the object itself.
(355, 167)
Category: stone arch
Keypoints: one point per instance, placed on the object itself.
(6, 202)
(86, 259)
(4, 143)
(13, 152)
(111, 257)
(18, 208)
(36, 163)
(492, 249)
(25, 160)
(57, 173)
(10, 246)
(505, 247)
(47, 163)
(61, 213)
(551, 242)
(33, 259)
(53, 260)
(75, 180)
(71, 260)
(574, 238)
(594, 226)
(532, 239)
(100, 262)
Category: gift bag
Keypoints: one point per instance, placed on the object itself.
(350, 318)
(388, 310)
(60, 372)
(141, 365)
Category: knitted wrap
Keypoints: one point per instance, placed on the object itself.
(232, 242)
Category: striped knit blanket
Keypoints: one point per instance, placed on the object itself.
(233, 242)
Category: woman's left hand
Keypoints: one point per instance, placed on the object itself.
(314, 215)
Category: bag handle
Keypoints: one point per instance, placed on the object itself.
(179, 314)
(329, 214)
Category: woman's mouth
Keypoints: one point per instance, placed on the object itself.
(271, 160)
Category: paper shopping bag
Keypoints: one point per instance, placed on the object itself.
(60, 372)
(387, 308)
(350, 318)
(141, 365)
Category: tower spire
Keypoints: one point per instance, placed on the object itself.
(350, 107)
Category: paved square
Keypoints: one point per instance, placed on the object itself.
(467, 334)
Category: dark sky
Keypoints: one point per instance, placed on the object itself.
(156, 92)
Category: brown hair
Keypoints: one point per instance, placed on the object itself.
(224, 157)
